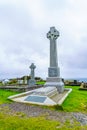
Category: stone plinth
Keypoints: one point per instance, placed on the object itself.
(32, 82)
(53, 72)
(55, 81)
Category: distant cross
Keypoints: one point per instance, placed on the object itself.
(32, 67)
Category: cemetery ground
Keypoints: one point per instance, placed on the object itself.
(16, 116)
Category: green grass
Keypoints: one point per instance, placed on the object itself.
(4, 94)
(40, 82)
(1, 84)
(76, 101)
(17, 122)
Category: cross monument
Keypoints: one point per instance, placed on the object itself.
(54, 71)
(32, 80)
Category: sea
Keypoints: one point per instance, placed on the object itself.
(78, 79)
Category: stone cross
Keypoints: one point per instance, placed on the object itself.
(32, 67)
(32, 81)
(52, 35)
(54, 79)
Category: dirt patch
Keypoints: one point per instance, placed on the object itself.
(34, 111)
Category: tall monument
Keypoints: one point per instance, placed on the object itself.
(54, 71)
(32, 81)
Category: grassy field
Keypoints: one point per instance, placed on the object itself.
(76, 101)
(4, 94)
(40, 82)
(17, 122)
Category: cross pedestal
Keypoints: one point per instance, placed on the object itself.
(54, 71)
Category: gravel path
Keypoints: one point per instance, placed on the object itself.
(34, 111)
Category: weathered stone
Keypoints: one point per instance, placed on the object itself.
(82, 85)
(32, 81)
(54, 71)
(20, 81)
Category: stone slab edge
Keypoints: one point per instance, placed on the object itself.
(65, 96)
(21, 94)
(26, 93)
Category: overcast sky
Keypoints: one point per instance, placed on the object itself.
(23, 28)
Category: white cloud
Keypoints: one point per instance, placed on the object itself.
(23, 28)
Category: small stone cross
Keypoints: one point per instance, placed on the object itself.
(32, 67)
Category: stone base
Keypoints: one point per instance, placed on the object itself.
(55, 82)
(32, 82)
(54, 72)
(43, 96)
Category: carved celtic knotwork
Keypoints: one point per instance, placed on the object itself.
(53, 33)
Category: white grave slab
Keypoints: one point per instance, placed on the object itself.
(43, 96)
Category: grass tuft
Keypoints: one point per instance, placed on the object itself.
(4, 94)
(76, 101)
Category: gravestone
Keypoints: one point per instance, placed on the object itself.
(32, 81)
(25, 80)
(82, 85)
(54, 71)
(20, 81)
